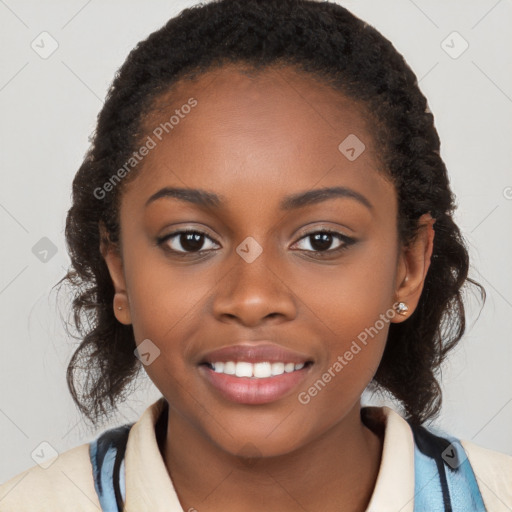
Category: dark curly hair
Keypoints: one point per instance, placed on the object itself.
(328, 43)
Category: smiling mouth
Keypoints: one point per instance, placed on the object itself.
(256, 383)
(260, 370)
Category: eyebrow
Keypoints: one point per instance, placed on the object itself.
(191, 195)
(298, 200)
(322, 194)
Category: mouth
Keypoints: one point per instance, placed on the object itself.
(260, 370)
(254, 374)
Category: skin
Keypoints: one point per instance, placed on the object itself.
(254, 140)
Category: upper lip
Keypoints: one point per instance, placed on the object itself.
(255, 352)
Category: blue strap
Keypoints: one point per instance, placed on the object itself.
(107, 459)
(444, 478)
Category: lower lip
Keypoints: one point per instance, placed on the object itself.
(248, 390)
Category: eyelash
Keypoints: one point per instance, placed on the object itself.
(347, 242)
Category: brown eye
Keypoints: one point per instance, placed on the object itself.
(188, 242)
(323, 241)
(191, 241)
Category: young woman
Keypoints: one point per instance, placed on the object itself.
(264, 224)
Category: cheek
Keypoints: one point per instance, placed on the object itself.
(350, 307)
(354, 331)
(164, 302)
(349, 297)
(164, 305)
(160, 296)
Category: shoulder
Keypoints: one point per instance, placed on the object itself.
(493, 472)
(86, 478)
(65, 484)
(437, 468)
(467, 470)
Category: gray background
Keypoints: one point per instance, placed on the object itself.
(48, 110)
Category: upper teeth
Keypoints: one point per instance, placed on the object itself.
(258, 370)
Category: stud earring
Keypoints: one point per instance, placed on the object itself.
(119, 307)
(401, 308)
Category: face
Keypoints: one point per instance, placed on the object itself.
(289, 251)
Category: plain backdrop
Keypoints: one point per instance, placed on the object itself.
(48, 110)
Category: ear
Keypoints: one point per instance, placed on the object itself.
(413, 264)
(112, 255)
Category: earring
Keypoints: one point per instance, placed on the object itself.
(119, 307)
(401, 308)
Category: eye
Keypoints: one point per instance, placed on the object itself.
(322, 242)
(187, 241)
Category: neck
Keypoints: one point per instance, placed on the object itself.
(336, 471)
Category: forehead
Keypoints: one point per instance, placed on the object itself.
(277, 127)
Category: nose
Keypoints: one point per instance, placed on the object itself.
(253, 294)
